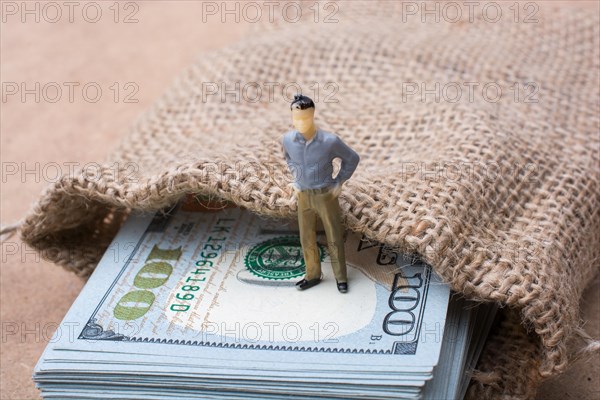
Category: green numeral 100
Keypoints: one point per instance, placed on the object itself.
(154, 273)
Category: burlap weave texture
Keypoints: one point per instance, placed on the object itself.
(499, 194)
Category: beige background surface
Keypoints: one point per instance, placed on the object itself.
(40, 138)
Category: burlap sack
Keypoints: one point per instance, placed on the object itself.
(498, 193)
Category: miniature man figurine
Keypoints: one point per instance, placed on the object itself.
(309, 152)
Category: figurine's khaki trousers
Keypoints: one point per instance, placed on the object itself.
(313, 203)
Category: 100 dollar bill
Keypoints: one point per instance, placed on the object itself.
(198, 281)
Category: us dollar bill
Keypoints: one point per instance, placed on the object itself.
(223, 281)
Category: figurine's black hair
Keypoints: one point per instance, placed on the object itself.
(302, 102)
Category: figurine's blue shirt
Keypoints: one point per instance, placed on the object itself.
(311, 163)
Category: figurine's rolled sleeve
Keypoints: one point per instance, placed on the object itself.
(290, 164)
(285, 153)
(349, 159)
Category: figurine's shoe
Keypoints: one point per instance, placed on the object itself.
(304, 284)
(342, 286)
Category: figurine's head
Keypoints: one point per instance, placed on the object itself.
(303, 114)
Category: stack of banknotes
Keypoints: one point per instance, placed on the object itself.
(200, 302)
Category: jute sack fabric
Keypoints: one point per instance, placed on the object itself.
(499, 194)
